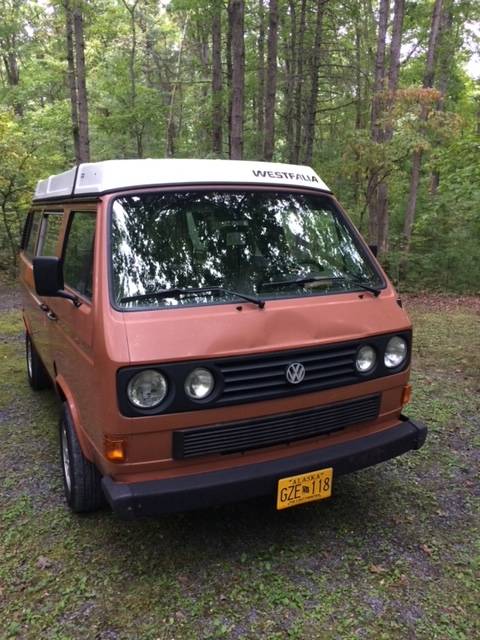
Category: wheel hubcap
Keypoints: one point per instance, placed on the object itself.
(66, 460)
(29, 358)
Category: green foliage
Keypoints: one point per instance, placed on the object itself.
(446, 252)
(16, 163)
(150, 79)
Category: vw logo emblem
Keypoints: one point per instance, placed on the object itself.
(295, 372)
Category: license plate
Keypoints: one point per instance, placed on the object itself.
(307, 487)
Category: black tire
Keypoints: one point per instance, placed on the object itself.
(38, 377)
(81, 479)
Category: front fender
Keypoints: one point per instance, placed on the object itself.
(65, 394)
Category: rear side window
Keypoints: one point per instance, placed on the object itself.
(78, 252)
(31, 233)
(49, 232)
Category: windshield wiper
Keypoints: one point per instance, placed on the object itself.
(178, 291)
(359, 283)
(311, 279)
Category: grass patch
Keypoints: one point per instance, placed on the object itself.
(11, 324)
(394, 554)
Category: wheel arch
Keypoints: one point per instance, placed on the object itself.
(65, 394)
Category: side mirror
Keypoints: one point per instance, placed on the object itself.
(48, 277)
(374, 249)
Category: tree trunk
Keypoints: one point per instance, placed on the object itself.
(387, 129)
(229, 77)
(428, 79)
(312, 102)
(148, 65)
(137, 127)
(10, 38)
(271, 88)
(412, 199)
(11, 66)
(12, 243)
(261, 79)
(217, 107)
(447, 46)
(382, 218)
(201, 42)
(13, 74)
(299, 84)
(359, 124)
(290, 65)
(378, 86)
(358, 78)
(171, 127)
(238, 78)
(71, 80)
(379, 77)
(83, 133)
(429, 75)
(395, 46)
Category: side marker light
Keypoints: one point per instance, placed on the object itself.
(114, 449)
(406, 394)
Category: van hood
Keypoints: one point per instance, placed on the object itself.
(222, 330)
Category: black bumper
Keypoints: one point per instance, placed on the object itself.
(240, 483)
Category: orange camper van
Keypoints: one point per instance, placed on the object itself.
(216, 330)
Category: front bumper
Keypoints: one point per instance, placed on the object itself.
(130, 500)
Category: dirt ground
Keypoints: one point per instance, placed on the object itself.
(393, 555)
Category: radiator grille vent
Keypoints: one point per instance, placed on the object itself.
(279, 429)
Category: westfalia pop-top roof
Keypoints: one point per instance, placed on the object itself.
(95, 178)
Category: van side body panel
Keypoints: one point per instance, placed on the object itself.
(73, 347)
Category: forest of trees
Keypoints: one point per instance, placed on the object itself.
(374, 94)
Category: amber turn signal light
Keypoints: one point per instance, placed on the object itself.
(406, 394)
(114, 449)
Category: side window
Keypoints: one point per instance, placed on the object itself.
(49, 232)
(31, 233)
(78, 252)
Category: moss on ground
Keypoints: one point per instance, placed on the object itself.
(394, 554)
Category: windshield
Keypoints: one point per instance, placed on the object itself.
(249, 242)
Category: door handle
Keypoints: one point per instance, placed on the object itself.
(51, 315)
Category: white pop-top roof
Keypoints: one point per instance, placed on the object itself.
(94, 178)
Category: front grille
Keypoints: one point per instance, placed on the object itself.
(272, 430)
(263, 377)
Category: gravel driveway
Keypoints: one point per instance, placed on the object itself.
(394, 554)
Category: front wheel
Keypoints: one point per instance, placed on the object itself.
(81, 479)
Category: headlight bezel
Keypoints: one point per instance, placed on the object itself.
(399, 365)
(135, 377)
(176, 399)
(208, 395)
(371, 369)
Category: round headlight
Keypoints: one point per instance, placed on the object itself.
(199, 383)
(366, 358)
(147, 389)
(396, 352)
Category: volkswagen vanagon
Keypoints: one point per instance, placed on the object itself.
(215, 330)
